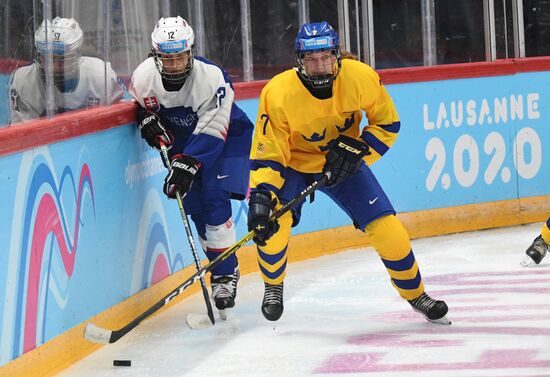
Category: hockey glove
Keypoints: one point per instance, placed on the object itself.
(260, 207)
(344, 158)
(152, 131)
(183, 169)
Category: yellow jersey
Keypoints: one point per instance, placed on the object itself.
(294, 128)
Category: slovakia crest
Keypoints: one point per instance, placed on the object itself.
(151, 103)
(92, 101)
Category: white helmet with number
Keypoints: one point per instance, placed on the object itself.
(173, 43)
(63, 38)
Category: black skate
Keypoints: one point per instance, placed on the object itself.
(536, 252)
(433, 310)
(224, 290)
(272, 306)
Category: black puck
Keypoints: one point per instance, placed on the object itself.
(122, 363)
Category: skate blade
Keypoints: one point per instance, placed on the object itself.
(441, 321)
(223, 314)
(197, 321)
(527, 261)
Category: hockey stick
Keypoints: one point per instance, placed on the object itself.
(164, 152)
(100, 335)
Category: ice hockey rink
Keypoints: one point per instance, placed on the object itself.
(343, 317)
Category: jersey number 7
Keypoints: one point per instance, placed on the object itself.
(264, 116)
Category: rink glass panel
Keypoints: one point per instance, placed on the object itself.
(223, 35)
(397, 33)
(536, 14)
(21, 63)
(460, 31)
(254, 40)
(504, 29)
(325, 11)
(274, 29)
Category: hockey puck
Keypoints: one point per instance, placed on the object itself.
(122, 363)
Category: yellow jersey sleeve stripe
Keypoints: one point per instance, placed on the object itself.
(274, 165)
(375, 143)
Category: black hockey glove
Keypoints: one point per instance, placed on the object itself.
(260, 207)
(183, 169)
(152, 131)
(344, 158)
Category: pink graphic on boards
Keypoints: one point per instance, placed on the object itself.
(161, 269)
(48, 220)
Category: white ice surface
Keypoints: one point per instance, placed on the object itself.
(343, 317)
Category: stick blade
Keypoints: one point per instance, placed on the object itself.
(197, 321)
(97, 334)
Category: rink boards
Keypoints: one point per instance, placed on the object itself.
(87, 232)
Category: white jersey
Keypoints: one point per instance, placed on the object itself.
(28, 92)
(198, 114)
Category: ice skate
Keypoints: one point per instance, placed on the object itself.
(433, 310)
(535, 253)
(272, 305)
(224, 290)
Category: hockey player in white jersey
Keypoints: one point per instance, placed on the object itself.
(79, 80)
(187, 102)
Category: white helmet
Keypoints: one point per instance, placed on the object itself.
(63, 37)
(173, 36)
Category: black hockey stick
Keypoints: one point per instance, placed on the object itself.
(164, 152)
(100, 335)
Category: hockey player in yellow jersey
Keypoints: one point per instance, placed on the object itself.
(308, 124)
(539, 248)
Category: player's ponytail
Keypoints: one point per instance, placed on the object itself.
(347, 55)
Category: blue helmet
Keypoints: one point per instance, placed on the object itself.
(317, 37)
